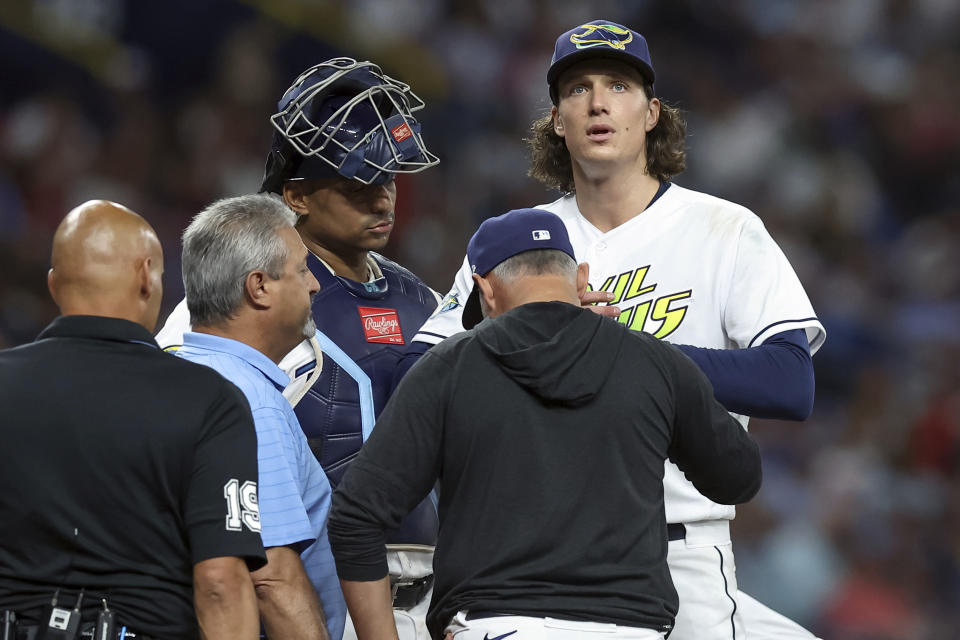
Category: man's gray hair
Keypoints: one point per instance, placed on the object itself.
(537, 262)
(223, 244)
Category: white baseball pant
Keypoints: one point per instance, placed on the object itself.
(406, 563)
(711, 606)
(526, 628)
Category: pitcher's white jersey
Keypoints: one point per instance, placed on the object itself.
(690, 269)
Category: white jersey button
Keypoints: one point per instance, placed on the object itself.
(600, 246)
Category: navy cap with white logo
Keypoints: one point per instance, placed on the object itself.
(599, 39)
(505, 236)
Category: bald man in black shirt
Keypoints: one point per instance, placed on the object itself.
(118, 458)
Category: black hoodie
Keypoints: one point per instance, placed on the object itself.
(547, 428)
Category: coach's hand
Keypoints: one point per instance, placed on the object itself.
(589, 300)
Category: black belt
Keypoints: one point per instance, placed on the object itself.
(676, 531)
(408, 594)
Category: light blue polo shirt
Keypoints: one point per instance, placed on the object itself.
(294, 493)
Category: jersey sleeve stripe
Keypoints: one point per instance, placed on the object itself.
(785, 325)
(429, 334)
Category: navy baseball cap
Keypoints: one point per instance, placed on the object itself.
(599, 39)
(505, 236)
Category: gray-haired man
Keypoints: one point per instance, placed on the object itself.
(249, 292)
(548, 426)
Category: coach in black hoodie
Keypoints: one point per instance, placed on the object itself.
(547, 426)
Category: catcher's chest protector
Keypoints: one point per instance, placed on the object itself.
(373, 323)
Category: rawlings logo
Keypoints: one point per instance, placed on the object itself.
(597, 35)
(381, 325)
(401, 132)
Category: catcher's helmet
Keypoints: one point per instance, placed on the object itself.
(346, 118)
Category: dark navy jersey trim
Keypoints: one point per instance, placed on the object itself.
(429, 333)
(662, 189)
(726, 590)
(770, 326)
(310, 366)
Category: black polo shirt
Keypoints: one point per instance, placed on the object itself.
(116, 474)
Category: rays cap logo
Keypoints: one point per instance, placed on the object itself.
(599, 39)
(602, 35)
(505, 236)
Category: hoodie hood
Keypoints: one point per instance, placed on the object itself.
(557, 351)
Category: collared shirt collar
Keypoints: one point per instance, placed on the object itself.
(240, 350)
(98, 328)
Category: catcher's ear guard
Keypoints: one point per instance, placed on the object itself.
(346, 118)
(279, 166)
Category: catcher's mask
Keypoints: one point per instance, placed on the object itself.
(346, 118)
